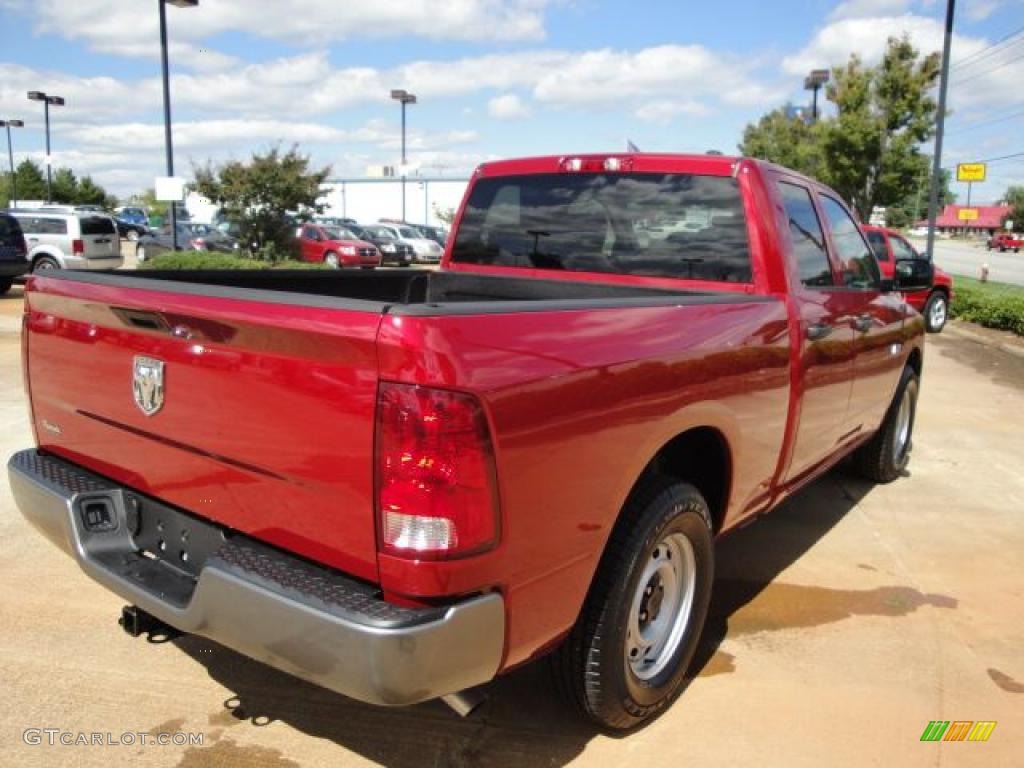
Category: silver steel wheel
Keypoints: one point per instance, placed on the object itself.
(902, 439)
(937, 313)
(331, 260)
(132, 235)
(45, 263)
(661, 608)
(140, 253)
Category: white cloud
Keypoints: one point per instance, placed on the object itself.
(665, 110)
(979, 10)
(852, 9)
(971, 84)
(121, 27)
(507, 107)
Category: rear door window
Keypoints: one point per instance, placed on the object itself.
(651, 224)
(97, 225)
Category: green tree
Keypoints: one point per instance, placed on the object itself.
(445, 215)
(884, 113)
(262, 196)
(64, 188)
(1015, 199)
(870, 151)
(783, 138)
(914, 205)
(91, 193)
(31, 184)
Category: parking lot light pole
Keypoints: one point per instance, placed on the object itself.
(57, 101)
(10, 158)
(813, 83)
(167, 104)
(403, 97)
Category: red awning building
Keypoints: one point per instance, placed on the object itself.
(990, 218)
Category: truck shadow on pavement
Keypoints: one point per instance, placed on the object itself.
(524, 722)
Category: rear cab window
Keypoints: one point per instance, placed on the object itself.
(860, 269)
(806, 235)
(646, 224)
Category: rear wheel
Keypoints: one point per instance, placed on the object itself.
(887, 454)
(331, 260)
(132, 235)
(936, 312)
(626, 658)
(5, 284)
(44, 263)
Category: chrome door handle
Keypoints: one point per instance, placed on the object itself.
(818, 331)
(863, 323)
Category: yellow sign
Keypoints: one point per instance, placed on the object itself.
(970, 172)
(967, 214)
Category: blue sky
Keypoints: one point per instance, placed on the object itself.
(495, 78)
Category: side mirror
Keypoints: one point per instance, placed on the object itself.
(913, 275)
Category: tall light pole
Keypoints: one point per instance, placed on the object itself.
(57, 101)
(10, 157)
(813, 82)
(403, 97)
(167, 103)
(940, 119)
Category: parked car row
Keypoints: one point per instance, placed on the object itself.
(342, 242)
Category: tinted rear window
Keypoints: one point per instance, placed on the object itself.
(661, 225)
(97, 225)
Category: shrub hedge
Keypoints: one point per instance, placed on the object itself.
(993, 305)
(214, 260)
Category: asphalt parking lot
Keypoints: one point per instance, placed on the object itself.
(842, 624)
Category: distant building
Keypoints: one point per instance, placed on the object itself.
(989, 219)
(368, 200)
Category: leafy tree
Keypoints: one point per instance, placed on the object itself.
(783, 138)
(91, 193)
(31, 183)
(263, 195)
(914, 205)
(870, 150)
(445, 215)
(1015, 199)
(884, 114)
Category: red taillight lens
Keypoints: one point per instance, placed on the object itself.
(436, 486)
(197, 243)
(78, 246)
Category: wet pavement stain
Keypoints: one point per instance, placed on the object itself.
(775, 606)
(171, 726)
(229, 753)
(866, 567)
(1005, 682)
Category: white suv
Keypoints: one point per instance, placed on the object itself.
(63, 237)
(424, 249)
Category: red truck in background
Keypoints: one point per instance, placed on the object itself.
(400, 484)
(1004, 241)
(335, 246)
(933, 302)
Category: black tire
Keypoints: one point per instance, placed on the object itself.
(936, 312)
(884, 457)
(5, 284)
(45, 262)
(592, 667)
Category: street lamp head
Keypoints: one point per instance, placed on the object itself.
(816, 79)
(400, 94)
(12, 123)
(57, 101)
(183, 3)
(36, 96)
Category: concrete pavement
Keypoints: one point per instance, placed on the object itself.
(842, 624)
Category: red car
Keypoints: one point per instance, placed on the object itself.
(1004, 241)
(336, 247)
(398, 485)
(934, 302)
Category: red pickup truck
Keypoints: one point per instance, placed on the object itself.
(1004, 241)
(400, 484)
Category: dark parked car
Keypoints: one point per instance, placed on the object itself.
(436, 234)
(13, 252)
(130, 230)
(191, 237)
(391, 250)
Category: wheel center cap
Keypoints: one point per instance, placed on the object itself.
(652, 601)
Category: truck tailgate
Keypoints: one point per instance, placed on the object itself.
(265, 418)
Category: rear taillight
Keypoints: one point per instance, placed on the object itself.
(197, 243)
(77, 246)
(436, 485)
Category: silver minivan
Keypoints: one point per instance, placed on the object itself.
(62, 237)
